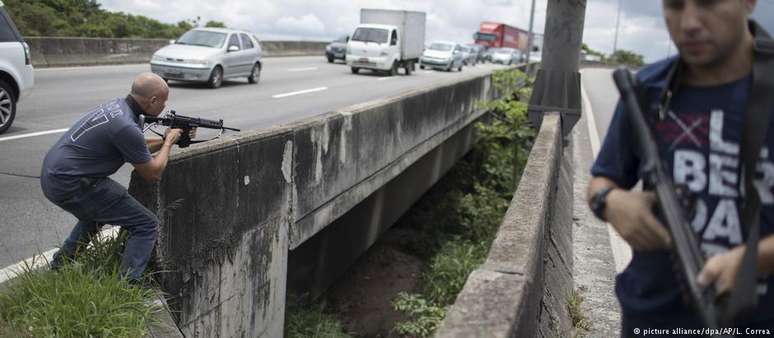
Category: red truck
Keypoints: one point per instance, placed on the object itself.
(500, 35)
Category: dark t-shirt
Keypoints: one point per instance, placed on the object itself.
(96, 146)
(699, 144)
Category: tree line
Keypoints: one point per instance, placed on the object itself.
(86, 18)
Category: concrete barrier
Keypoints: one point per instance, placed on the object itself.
(70, 51)
(521, 289)
(231, 209)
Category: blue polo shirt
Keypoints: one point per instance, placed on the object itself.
(699, 144)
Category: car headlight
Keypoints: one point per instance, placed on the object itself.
(198, 62)
(157, 58)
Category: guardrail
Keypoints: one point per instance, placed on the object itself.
(76, 51)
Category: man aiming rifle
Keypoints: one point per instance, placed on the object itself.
(700, 107)
(76, 169)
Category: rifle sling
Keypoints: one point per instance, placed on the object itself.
(744, 295)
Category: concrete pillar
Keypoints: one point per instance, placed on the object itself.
(557, 86)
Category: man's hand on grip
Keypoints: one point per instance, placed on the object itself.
(631, 214)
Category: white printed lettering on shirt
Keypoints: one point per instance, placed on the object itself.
(724, 223)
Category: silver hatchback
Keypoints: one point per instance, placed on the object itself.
(210, 55)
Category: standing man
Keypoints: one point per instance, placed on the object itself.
(76, 169)
(696, 104)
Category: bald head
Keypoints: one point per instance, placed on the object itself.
(148, 84)
(151, 92)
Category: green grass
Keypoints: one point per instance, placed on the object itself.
(86, 298)
(311, 320)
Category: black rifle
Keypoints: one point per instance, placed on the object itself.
(669, 205)
(185, 123)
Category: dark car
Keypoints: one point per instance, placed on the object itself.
(337, 50)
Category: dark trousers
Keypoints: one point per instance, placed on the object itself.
(103, 201)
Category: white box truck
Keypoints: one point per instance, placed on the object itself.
(387, 40)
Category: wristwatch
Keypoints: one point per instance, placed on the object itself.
(599, 202)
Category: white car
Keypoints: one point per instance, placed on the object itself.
(442, 55)
(506, 56)
(210, 55)
(16, 72)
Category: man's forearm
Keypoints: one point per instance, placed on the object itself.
(154, 144)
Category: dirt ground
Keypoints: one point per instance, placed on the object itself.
(363, 297)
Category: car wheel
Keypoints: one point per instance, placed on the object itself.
(394, 69)
(355, 70)
(409, 67)
(330, 59)
(216, 77)
(459, 69)
(7, 106)
(421, 66)
(255, 75)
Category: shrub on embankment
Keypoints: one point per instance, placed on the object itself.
(454, 224)
(458, 231)
(85, 298)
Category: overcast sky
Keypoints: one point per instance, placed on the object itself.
(641, 29)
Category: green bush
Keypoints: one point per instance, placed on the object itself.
(458, 219)
(426, 315)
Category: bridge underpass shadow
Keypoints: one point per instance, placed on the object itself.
(325, 257)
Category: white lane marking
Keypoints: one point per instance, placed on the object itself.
(40, 133)
(40, 261)
(306, 91)
(622, 252)
(386, 78)
(302, 69)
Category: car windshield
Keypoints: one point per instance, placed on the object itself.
(202, 38)
(377, 35)
(443, 47)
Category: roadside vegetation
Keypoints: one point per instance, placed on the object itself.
(453, 224)
(86, 18)
(459, 218)
(85, 298)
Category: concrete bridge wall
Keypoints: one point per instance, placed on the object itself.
(232, 209)
(68, 51)
(523, 287)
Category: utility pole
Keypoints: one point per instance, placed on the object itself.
(617, 25)
(557, 85)
(531, 39)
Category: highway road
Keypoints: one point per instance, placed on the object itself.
(290, 89)
(602, 97)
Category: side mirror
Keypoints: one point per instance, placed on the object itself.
(347, 39)
(233, 48)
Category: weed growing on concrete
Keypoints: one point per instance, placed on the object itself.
(579, 320)
(458, 219)
(86, 298)
(304, 319)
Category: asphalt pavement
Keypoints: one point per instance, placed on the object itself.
(290, 89)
